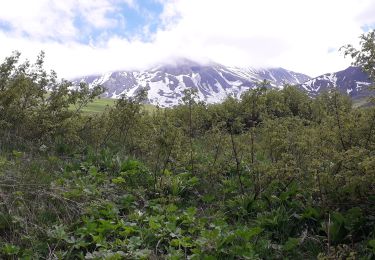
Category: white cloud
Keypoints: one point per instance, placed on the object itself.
(290, 33)
(37, 18)
(55, 19)
(295, 34)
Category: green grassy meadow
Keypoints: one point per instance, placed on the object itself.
(99, 105)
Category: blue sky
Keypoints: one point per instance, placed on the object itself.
(125, 19)
(129, 21)
(94, 36)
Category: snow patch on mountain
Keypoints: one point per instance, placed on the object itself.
(351, 81)
(213, 82)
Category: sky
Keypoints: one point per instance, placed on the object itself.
(84, 37)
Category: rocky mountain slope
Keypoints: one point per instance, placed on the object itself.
(214, 82)
(166, 83)
(351, 81)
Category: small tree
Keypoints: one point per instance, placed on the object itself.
(124, 117)
(365, 56)
(189, 99)
(36, 107)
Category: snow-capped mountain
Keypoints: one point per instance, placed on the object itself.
(351, 81)
(214, 82)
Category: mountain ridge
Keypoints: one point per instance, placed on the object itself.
(214, 82)
(352, 81)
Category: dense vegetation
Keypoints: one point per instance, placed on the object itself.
(274, 175)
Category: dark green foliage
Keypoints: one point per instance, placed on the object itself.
(275, 175)
(35, 108)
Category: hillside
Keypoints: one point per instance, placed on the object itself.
(351, 81)
(214, 82)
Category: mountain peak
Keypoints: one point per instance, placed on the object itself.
(175, 62)
(166, 82)
(351, 81)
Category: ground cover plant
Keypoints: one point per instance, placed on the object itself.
(274, 175)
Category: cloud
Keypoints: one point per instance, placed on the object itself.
(290, 33)
(367, 15)
(60, 20)
(298, 35)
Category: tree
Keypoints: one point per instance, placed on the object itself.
(36, 107)
(252, 105)
(189, 99)
(365, 56)
(123, 118)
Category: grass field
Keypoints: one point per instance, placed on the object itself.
(100, 104)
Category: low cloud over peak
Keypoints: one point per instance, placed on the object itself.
(85, 37)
